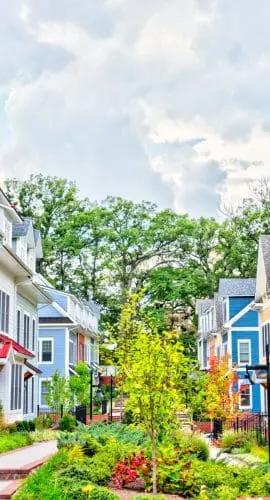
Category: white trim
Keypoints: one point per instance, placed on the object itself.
(40, 340)
(46, 379)
(254, 329)
(243, 341)
(67, 340)
(18, 309)
(229, 347)
(56, 325)
(245, 382)
(229, 324)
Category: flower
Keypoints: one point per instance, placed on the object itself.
(87, 489)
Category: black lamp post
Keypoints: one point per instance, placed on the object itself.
(266, 368)
(98, 394)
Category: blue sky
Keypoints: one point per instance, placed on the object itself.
(160, 100)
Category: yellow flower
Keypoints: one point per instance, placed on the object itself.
(87, 489)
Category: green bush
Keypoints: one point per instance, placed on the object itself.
(126, 434)
(67, 423)
(43, 422)
(43, 435)
(99, 493)
(192, 444)
(89, 444)
(25, 425)
(232, 440)
(15, 440)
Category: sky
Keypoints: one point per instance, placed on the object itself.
(162, 100)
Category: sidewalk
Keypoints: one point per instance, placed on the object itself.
(17, 464)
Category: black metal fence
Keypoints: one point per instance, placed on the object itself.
(80, 412)
(253, 423)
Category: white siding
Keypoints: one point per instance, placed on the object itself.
(7, 285)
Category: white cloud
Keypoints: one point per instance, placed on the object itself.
(161, 100)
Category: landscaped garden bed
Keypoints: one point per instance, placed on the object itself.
(103, 462)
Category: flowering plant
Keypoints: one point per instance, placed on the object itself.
(129, 469)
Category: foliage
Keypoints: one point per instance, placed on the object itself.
(152, 372)
(192, 444)
(127, 470)
(89, 444)
(25, 425)
(221, 394)
(67, 423)
(2, 417)
(15, 440)
(43, 435)
(58, 392)
(43, 421)
(124, 434)
(79, 384)
(232, 440)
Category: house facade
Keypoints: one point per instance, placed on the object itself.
(236, 333)
(20, 295)
(262, 302)
(68, 333)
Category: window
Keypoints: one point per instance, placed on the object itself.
(46, 351)
(44, 391)
(33, 334)
(218, 352)
(92, 353)
(4, 311)
(16, 387)
(204, 354)
(265, 337)
(26, 330)
(225, 348)
(244, 352)
(245, 394)
(71, 352)
(33, 395)
(18, 325)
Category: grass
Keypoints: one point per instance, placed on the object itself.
(10, 442)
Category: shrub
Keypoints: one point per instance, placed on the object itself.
(226, 493)
(99, 493)
(232, 440)
(88, 443)
(43, 421)
(126, 434)
(126, 471)
(43, 435)
(12, 441)
(192, 444)
(67, 423)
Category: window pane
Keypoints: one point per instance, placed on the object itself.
(46, 350)
(7, 315)
(3, 311)
(33, 334)
(18, 325)
(44, 391)
(244, 352)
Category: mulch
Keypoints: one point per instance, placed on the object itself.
(137, 488)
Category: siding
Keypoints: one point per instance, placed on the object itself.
(253, 337)
(8, 286)
(256, 395)
(236, 304)
(58, 334)
(49, 312)
(26, 306)
(59, 298)
(251, 318)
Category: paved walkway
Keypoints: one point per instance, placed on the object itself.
(17, 464)
(20, 459)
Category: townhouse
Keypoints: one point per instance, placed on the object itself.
(68, 333)
(229, 325)
(20, 295)
(262, 305)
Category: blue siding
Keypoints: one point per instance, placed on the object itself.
(253, 337)
(256, 395)
(58, 334)
(49, 312)
(59, 298)
(236, 304)
(251, 318)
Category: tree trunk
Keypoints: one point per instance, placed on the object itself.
(154, 460)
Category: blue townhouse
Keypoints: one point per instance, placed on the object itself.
(229, 325)
(68, 334)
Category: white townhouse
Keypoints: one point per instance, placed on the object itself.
(20, 295)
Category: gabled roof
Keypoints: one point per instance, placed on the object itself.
(234, 287)
(203, 305)
(264, 242)
(6, 344)
(21, 229)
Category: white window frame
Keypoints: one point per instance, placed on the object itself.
(18, 310)
(239, 342)
(34, 334)
(6, 328)
(73, 360)
(226, 309)
(245, 382)
(40, 341)
(43, 379)
(12, 397)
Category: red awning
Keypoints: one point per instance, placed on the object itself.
(6, 344)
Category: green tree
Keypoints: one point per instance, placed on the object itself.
(80, 384)
(58, 392)
(152, 372)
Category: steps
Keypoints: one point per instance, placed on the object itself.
(184, 420)
(16, 465)
(118, 411)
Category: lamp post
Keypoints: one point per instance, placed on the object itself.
(266, 368)
(98, 393)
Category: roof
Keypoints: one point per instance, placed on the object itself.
(203, 305)
(265, 246)
(5, 345)
(55, 320)
(234, 287)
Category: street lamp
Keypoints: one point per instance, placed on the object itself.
(266, 368)
(99, 394)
